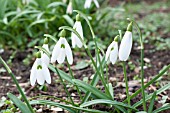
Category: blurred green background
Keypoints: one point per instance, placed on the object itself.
(24, 22)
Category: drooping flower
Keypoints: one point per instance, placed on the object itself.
(61, 50)
(112, 51)
(78, 27)
(126, 44)
(69, 8)
(87, 3)
(40, 72)
(45, 58)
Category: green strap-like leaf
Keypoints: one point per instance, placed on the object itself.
(152, 102)
(68, 19)
(105, 101)
(64, 75)
(3, 5)
(19, 103)
(92, 89)
(93, 83)
(164, 107)
(56, 4)
(167, 86)
(150, 82)
(69, 108)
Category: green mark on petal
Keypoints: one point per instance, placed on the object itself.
(39, 67)
(62, 46)
(112, 48)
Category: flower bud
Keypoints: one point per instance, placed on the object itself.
(62, 33)
(38, 54)
(78, 17)
(116, 39)
(129, 28)
(45, 40)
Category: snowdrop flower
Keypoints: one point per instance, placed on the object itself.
(78, 27)
(45, 58)
(39, 71)
(112, 51)
(61, 50)
(69, 8)
(126, 44)
(88, 3)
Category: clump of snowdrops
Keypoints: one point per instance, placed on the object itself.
(89, 95)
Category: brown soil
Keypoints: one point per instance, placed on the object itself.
(154, 62)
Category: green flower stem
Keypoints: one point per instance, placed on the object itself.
(89, 54)
(17, 84)
(107, 74)
(98, 72)
(71, 73)
(142, 63)
(65, 87)
(96, 49)
(126, 82)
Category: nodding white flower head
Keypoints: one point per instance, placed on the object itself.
(87, 3)
(126, 44)
(112, 51)
(45, 58)
(69, 8)
(78, 27)
(40, 71)
(61, 50)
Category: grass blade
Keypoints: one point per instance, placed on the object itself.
(19, 103)
(150, 82)
(66, 107)
(164, 107)
(105, 101)
(93, 83)
(167, 86)
(62, 73)
(92, 89)
(3, 5)
(152, 102)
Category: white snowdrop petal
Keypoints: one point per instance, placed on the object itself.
(40, 77)
(61, 56)
(125, 46)
(114, 54)
(33, 74)
(55, 51)
(46, 74)
(109, 50)
(73, 40)
(45, 59)
(45, 46)
(79, 28)
(96, 3)
(87, 4)
(69, 8)
(68, 53)
(78, 42)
